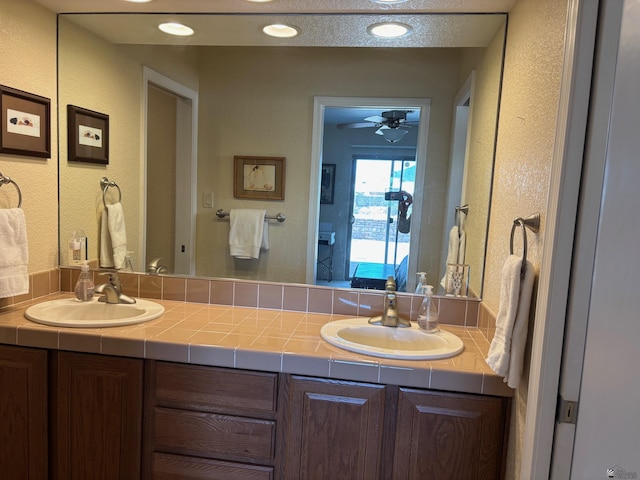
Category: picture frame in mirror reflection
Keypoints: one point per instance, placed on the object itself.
(88, 135)
(327, 183)
(260, 178)
(26, 123)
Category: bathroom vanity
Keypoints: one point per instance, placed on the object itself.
(123, 403)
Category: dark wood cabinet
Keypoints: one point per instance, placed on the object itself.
(333, 429)
(96, 416)
(73, 415)
(443, 436)
(23, 413)
(208, 422)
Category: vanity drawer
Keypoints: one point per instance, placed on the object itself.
(170, 467)
(214, 389)
(214, 436)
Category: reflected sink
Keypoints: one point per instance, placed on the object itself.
(358, 335)
(69, 312)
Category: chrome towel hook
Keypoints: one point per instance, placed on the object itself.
(532, 223)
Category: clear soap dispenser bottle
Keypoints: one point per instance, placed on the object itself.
(422, 282)
(84, 286)
(428, 312)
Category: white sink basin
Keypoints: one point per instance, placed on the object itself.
(358, 335)
(69, 312)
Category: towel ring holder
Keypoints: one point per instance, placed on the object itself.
(5, 180)
(105, 183)
(463, 209)
(533, 224)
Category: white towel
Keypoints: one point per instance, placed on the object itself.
(456, 250)
(247, 232)
(506, 354)
(14, 253)
(113, 237)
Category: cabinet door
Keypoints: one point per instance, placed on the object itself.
(98, 417)
(442, 436)
(23, 410)
(333, 430)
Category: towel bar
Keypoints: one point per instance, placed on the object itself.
(105, 183)
(280, 217)
(533, 224)
(4, 180)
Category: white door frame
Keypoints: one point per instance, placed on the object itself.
(559, 227)
(319, 105)
(186, 169)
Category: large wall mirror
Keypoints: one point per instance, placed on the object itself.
(180, 110)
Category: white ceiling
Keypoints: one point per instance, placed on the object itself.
(280, 6)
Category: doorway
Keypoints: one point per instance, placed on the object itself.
(334, 217)
(170, 156)
(376, 236)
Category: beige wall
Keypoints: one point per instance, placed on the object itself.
(526, 134)
(28, 62)
(107, 78)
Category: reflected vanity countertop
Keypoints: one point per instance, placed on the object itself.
(257, 339)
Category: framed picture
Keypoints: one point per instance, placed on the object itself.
(327, 182)
(258, 177)
(26, 123)
(88, 135)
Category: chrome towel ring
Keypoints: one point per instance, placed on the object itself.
(4, 180)
(105, 184)
(533, 224)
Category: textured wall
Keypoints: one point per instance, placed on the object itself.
(28, 62)
(526, 133)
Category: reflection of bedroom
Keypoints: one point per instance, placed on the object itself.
(361, 241)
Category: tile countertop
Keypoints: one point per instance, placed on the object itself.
(257, 339)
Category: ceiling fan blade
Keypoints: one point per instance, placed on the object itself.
(376, 119)
(357, 125)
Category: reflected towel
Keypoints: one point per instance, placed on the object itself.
(247, 232)
(113, 237)
(455, 251)
(506, 354)
(14, 253)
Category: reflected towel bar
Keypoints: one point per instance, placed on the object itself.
(279, 217)
(4, 180)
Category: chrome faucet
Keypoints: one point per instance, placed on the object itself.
(390, 317)
(112, 291)
(154, 267)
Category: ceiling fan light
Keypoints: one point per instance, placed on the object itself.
(392, 135)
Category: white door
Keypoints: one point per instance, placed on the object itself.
(601, 364)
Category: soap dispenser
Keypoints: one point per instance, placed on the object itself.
(84, 286)
(422, 283)
(428, 313)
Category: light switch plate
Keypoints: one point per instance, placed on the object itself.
(208, 200)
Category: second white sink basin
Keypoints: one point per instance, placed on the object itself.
(358, 335)
(69, 312)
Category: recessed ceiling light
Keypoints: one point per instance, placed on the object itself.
(177, 29)
(389, 30)
(280, 30)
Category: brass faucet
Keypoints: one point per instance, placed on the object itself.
(112, 291)
(390, 317)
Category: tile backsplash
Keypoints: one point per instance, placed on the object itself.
(278, 296)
